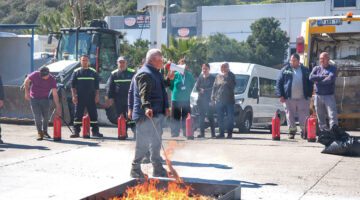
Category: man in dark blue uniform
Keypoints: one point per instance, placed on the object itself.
(85, 94)
(118, 86)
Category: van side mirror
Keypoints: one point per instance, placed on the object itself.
(254, 93)
(95, 39)
(49, 40)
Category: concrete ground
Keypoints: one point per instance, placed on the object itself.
(266, 169)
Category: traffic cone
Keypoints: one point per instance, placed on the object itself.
(311, 128)
(189, 131)
(275, 127)
(86, 126)
(121, 128)
(57, 128)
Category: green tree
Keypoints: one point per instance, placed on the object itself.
(134, 53)
(222, 48)
(192, 49)
(268, 44)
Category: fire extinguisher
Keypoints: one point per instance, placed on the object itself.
(86, 126)
(57, 128)
(275, 127)
(311, 128)
(189, 132)
(121, 127)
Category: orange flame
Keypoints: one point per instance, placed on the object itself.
(149, 191)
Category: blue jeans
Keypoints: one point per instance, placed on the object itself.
(221, 109)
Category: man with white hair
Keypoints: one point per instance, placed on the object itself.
(149, 107)
(324, 77)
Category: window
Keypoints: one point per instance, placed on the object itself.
(241, 83)
(344, 3)
(253, 85)
(267, 87)
(67, 49)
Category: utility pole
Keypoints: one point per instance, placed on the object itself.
(156, 9)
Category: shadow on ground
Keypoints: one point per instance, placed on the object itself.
(22, 146)
(190, 164)
(77, 142)
(244, 184)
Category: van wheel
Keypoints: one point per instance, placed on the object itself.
(246, 124)
(111, 114)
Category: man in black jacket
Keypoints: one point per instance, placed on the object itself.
(295, 90)
(118, 87)
(1, 102)
(204, 86)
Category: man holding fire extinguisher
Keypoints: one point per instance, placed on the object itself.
(295, 90)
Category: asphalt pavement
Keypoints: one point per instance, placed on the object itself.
(265, 169)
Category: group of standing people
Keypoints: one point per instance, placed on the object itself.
(295, 89)
(142, 97)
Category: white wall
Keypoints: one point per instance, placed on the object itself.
(235, 21)
(14, 59)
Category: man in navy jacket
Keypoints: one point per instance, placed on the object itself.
(324, 77)
(295, 90)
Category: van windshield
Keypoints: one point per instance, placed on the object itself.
(241, 83)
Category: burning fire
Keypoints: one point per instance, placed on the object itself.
(149, 191)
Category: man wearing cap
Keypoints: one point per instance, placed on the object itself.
(118, 86)
(85, 94)
(38, 86)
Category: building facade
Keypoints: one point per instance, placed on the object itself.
(235, 20)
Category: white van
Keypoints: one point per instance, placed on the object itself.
(255, 99)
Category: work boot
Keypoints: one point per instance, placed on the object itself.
(75, 135)
(229, 136)
(97, 134)
(136, 171)
(46, 135)
(220, 136)
(40, 136)
(159, 170)
(291, 136)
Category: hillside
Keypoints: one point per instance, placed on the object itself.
(30, 11)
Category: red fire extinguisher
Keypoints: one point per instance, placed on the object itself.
(57, 128)
(189, 132)
(311, 128)
(86, 126)
(121, 128)
(275, 127)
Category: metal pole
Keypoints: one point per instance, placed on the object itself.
(167, 23)
(32, 51)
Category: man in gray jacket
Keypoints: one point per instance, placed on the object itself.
(223, 97)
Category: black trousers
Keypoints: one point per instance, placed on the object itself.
(90, 105)
(205, 110)
(179, 112)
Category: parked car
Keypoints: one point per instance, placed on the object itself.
(255, 99)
